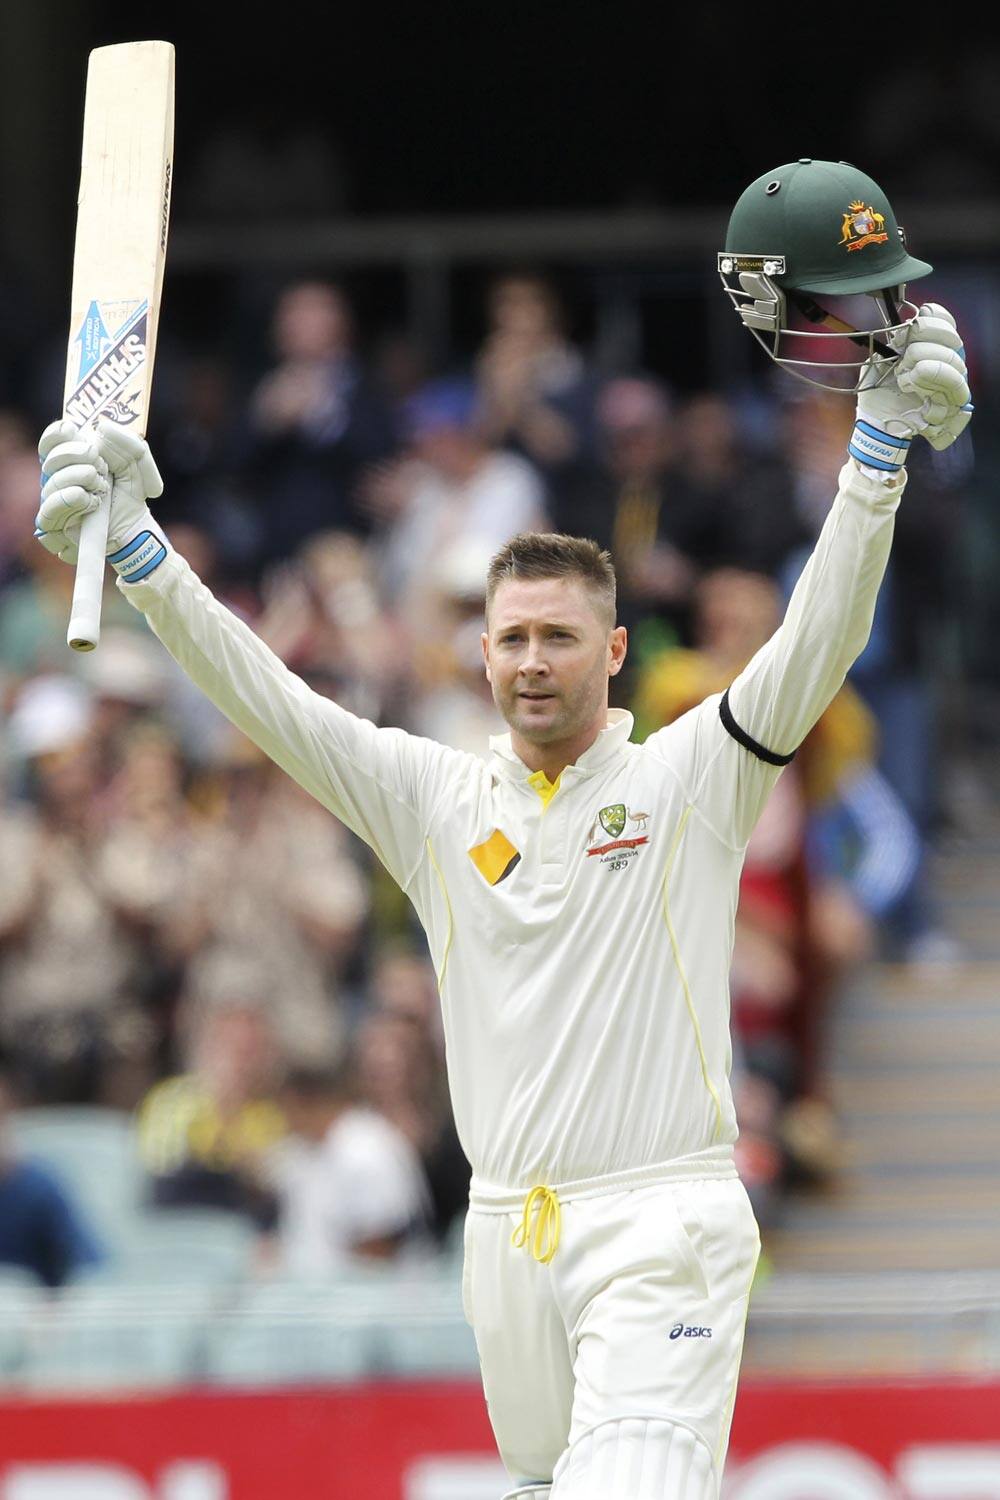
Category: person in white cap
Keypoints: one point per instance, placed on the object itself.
(578, 892)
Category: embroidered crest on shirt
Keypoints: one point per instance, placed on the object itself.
(612, 820)
(495, 857)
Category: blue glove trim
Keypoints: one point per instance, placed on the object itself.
(877, 432)
(872, 463)
(138, 558)
(878, 449)
(124, 553)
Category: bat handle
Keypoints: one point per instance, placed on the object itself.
(85, 615)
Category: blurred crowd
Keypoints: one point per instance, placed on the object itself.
(185, 935)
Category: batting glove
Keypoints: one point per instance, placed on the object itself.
(77, 469)
(927, 394)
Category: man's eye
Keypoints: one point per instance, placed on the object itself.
(507, 640)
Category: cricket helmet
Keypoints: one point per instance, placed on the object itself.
(820, 228)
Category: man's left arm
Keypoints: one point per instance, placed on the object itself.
(778, 697)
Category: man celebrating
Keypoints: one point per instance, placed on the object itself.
(578, 892)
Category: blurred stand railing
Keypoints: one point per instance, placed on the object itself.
(428, 250)
(971, 228)
(97, 1337)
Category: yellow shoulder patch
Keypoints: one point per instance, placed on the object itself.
(495, 858)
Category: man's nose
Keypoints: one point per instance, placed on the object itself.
(533, 663)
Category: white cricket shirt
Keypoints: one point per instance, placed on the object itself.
(582, 940)
(363, 1181)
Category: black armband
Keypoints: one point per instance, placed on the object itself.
(730, 725)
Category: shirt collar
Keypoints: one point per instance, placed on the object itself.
(610, 740)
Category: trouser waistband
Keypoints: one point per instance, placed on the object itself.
(714, 1164)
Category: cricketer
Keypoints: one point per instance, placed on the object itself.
(578, 891)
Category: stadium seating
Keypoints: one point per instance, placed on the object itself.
(181, 1246)
(93, 1153)
(94, 1338)
(22, 1303)
(289, 1334)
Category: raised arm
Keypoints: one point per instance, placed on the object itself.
(382, 783)
(734, 745)
(784, 689)
(792, 679)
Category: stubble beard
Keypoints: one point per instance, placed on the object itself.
(568, 717)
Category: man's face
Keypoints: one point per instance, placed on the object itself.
(549, 653)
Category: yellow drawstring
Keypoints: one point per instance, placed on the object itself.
(545, 1241)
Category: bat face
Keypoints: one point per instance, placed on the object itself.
(121, 233)
(121, 240)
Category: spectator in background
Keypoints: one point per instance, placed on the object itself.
(349, 1182)
(749, 494)
(207, 1136)
(401, 1073)
(73, 965)
(35, 601)
(41, 1229)
(458, 489)
(270, 875)
(535, 391)
(323, 617)
(206, 512)
(15, 442)
(315, 422)
(127, 682)
(146, 859)
(630, 501)
(456, 706)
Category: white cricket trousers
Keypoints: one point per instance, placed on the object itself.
(610, 1368)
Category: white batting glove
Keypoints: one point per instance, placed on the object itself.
(927, 394)
(77, 467)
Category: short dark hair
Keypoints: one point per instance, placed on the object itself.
(320, 1083)
(553, 554)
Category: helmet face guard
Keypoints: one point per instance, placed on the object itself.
(820, 229)
(844, 358)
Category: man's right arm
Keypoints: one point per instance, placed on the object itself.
(382, 783)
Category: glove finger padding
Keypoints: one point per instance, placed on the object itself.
(931, 331)
(943, 434)
(123, 450)
(62, 544)
(82, 476)
(63, 431)
(936, 379)
(64, 506)
(935, 310)
(922, 349)
(79, 451)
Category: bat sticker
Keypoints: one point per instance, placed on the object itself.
(108, 361)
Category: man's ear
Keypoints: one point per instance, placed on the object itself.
(617, 649)
(486, 655)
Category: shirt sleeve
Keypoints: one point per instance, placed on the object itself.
(730, 750)
(65, 1244)
(382, 783)
(385, 1192)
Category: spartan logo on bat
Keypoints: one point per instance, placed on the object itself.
(861, 226)
(108, 361)
(124, 412)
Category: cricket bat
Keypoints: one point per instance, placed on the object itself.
(121, 242)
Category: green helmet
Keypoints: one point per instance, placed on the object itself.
(819, 227)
